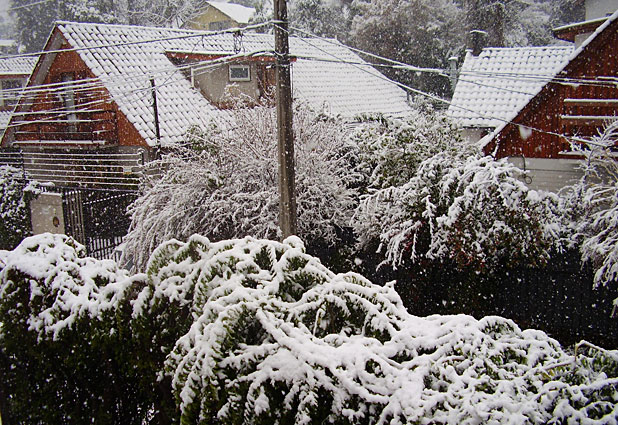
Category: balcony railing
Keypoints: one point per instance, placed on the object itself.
(97, 127)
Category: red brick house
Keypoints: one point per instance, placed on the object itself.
(572, 107)
(104, 99)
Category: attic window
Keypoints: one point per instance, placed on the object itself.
(240, 73)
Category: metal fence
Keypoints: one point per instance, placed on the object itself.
(96, 188)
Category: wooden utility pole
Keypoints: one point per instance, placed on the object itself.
(287, 194)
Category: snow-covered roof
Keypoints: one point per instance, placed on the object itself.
(5, 117)
(500, 81)
(17, 65)
(563, 70)
(237, 12)
(125, 57)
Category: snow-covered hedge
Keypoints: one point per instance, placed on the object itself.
(472, 210)
(255, 331)
(14, 208)
(597, 198)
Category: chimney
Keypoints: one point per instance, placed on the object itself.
(476, 41)
(452, 71)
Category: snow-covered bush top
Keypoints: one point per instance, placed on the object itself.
(278, 338)
(473, 210)
(63, 284)
(225, 184)
(275, 337)
(15, 193)
(391, 149)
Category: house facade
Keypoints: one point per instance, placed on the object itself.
(220, 15)
(105, 99)
(572, 107)
(14, 74)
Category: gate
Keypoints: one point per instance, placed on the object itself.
(97, 219)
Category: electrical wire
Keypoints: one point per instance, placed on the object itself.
(441, 100)
(91, 84)
(191, 34)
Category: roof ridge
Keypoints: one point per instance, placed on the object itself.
(551, 46)
(144, 27)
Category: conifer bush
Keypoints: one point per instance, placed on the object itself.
(251, 331)
(15, 196)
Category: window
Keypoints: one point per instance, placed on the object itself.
(68, 98)
(240, 73)
(10, 94)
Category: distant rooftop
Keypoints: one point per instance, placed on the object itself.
(240, 14)
(500, 81)
(17, 65)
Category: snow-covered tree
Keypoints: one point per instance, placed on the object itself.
(391, 149)
(253, 331)
(224, 184)
(323, 18)
(33, 21)
(520, 23)
(15, 196)
(419, 32)
(596, 199)
(464, 208)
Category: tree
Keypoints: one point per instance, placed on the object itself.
(252, 331)
(520, 23)
(596, 197)
(223, 184)
(449, 224)
(418, 32)
(33, 21)
(323, 18)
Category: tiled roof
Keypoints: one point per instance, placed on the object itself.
(564, 70)
(124, 58)
(17, 65)
(237, 12)
(500, 81)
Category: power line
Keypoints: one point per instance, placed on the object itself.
(27, 5)
(441, 100)
(192, 34)
(121, 80)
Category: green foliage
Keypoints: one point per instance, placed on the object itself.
(15, 197)
(253, 331)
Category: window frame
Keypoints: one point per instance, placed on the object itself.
(239, 79)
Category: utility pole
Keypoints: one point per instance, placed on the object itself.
(287, 194)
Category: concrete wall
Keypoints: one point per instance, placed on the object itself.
(217, 88)
(47, 213)
(600, 8)
(548, 174)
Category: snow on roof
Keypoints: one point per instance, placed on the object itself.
(17, 65)
(500, 81)
(125, 58)
(575, 53)
(237, 12)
